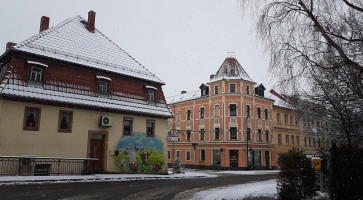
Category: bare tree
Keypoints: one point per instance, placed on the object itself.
(316, 49)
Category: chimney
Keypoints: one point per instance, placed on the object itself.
(9, 45)
(183, 92)
(277, 94)
(91, 21)
(44, 23)
(211, 76)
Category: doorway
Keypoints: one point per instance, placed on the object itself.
(233, 159)
(97, 149)
(216, 159)
(267, 159)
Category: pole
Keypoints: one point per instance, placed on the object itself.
(247, 149)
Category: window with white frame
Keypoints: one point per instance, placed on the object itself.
(178, 154)
(178, 116)
(266, 114)
(232, 88)
(151, 95)
(247, 89)
(248, 111)
(36, 74)
(259, 113)
(202, 113)
(216, 89)
(188, 135)
(232, 110)
(259, 135)
(216, 111)
(202, 132)
(187, 155)
(233, 133)
(102, 87)
(202, 155)
(188, 114)
(216, 133)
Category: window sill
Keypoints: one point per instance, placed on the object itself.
(30, 129)
(64, 131)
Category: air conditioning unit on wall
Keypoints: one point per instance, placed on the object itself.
(106, 121)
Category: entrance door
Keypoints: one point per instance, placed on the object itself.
(267, 159)
(216, 159)
(97, 149)
(233, 159)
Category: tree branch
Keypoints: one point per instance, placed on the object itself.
(353, 6)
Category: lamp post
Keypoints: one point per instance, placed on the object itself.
(248, 132)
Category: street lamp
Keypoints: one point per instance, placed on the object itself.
(248, 137)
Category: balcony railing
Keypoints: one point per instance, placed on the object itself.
(45, 166)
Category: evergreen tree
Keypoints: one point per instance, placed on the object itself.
(296, 179)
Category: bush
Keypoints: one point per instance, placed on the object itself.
(296, 179)
(346, 173)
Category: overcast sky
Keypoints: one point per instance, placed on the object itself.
(181, 41)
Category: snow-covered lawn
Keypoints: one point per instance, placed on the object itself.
(256, 189)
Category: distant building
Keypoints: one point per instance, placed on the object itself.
(218, 125)
(292, 129)
(69, 91)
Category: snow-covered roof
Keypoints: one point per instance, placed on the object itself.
(71, 41)
(37, 63)
(231, 70)
(71, 96)
(183, 97)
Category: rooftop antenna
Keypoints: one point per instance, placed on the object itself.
(230, 54)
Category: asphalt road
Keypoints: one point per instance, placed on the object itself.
(140, 189)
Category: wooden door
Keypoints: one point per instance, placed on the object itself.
(97, 150)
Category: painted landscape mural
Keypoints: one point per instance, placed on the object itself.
(140, 154)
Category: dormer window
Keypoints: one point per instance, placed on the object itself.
(151, 93)
(204, 90)
(36, 74)
(103, 83)
(102, 87)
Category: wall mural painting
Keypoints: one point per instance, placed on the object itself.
(140, 154)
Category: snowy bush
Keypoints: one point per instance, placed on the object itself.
(296, 179)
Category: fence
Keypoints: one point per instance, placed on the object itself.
(45, 166)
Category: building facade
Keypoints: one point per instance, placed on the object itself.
(294, 130)
(226, 124)
(71, 92)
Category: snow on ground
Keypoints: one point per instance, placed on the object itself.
(256, 189)
(189, 173)
(5, 180)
